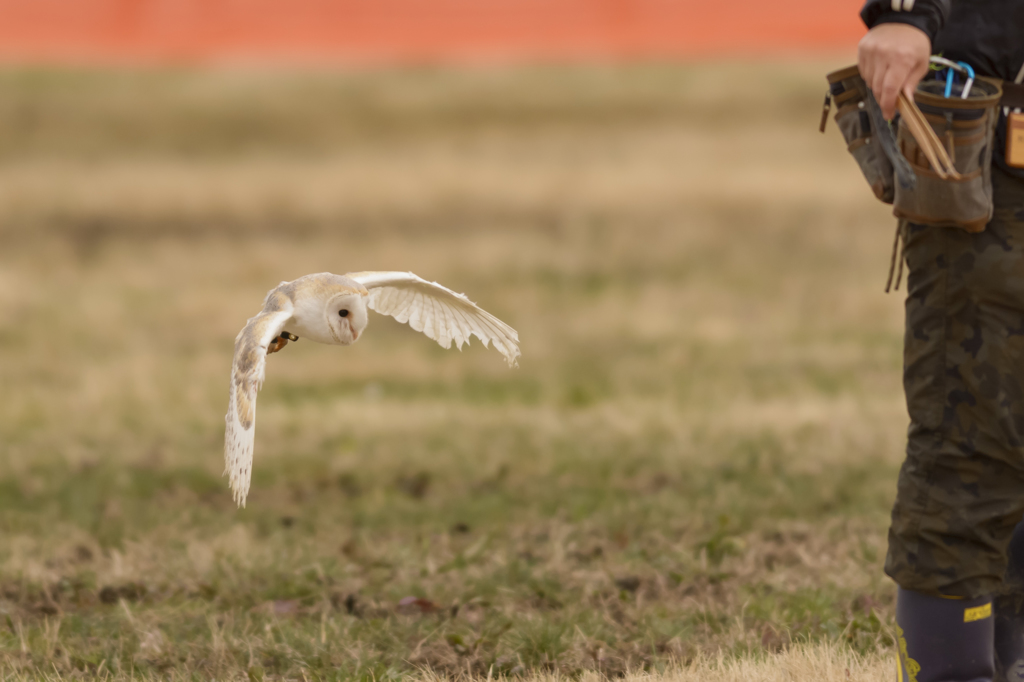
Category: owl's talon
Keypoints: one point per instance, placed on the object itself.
(280, 341)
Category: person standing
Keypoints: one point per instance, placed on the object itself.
(956, 543)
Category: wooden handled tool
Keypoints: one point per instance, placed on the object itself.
(926, 138)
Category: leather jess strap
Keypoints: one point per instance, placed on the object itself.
(1013, 95)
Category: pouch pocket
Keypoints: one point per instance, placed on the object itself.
(967, 129)
(866, 150)
(848, 90)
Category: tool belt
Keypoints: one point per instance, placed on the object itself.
(936, 169)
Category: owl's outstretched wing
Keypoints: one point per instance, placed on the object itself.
(437, 311)
(246, 379)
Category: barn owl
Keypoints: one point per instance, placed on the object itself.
(332, 309)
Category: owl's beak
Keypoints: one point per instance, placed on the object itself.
(355, 335)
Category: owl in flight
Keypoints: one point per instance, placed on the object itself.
(332, 309)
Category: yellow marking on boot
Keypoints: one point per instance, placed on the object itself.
(978, 613)
(912, 666)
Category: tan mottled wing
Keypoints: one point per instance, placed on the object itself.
(246, 379)
(437, 311)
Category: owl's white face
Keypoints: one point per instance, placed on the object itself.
(346, 317)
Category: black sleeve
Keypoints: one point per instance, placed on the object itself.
(927, 15)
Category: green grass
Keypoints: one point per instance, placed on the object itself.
(696, 455)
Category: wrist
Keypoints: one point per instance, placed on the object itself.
(926, 15)
(902, 19)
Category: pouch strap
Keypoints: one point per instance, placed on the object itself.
(899, 247)
(1013, 95)
(825, 108)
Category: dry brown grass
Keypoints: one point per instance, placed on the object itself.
(821, 662)
(696, 455)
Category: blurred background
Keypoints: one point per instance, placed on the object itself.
(697, 453)
(467, 32)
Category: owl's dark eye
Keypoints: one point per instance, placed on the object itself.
(343, 313)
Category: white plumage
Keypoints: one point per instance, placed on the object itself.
(331, 309)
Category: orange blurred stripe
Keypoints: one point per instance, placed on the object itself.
(384, 31)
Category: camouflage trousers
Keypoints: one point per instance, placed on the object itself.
(960, 491)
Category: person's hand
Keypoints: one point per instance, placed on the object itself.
(893, 57)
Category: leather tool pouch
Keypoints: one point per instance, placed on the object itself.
(966, 128)
(849, 92)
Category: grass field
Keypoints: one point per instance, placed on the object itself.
(691, 468)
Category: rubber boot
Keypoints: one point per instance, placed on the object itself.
(1009, 615)
(943, 640)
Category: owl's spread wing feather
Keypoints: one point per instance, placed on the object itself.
(437, 311)
(246, 379)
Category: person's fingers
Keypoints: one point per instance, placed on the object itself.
(919, 71)
(893, 81)
(910, 88)
(877, 83)
(866, 59)
(877, 78)
(891, 58)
